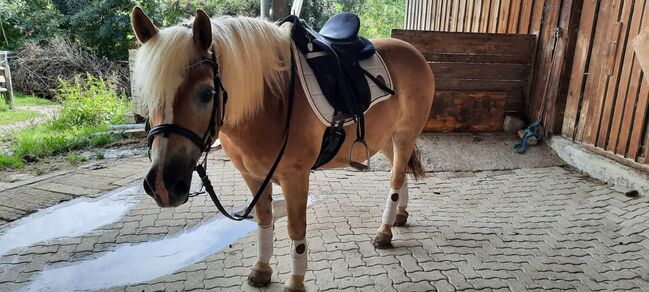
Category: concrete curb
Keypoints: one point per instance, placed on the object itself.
(600, 167)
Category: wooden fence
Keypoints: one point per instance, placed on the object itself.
(479, 77)
(490, 16)
(609, 90)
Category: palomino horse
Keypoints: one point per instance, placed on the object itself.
(175, 75)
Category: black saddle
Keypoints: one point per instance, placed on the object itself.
(334, 54)
(341, 31)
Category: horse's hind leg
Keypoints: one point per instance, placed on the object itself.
(261, 272)
(402, 148)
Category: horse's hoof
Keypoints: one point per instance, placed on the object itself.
(287, 289)
(401, 220)
(382, 241)
(259, 278)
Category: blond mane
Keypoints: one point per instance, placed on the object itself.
(253, 54)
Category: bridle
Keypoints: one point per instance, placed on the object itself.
(204, 142)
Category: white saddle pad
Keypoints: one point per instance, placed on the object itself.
(321, 107)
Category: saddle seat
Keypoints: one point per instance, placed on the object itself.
(341, 31)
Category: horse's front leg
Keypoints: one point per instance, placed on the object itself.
(261, 272)
(296, 190)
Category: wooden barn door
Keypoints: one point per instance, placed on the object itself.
(608, 93)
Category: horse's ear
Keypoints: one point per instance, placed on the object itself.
(202, 29)
(142, 26)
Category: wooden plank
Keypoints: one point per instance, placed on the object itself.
(468, 25)
(641, 48)
(467, 111)
(455, 12)
(514, 88)
(461, 18)
(537, 16)
(480, 71)
(626, 89)
(640, 120)
(581, 60)
(615, 55)
(9, 96)
(595, 72)
(486, 14)
(525, 16)
(544, 57)
(467, 43)
(503, 16)
(632, 95)
(493, 16)
(440, 15)
(445, 15)
(553, 101)
(477, 14)
(476, 58)
(436, 18)
(514, 14)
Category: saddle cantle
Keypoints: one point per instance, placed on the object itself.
(334, 54)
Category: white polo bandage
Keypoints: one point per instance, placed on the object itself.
(298, 257)
(264, 243)
(390, 211)
(403, 194)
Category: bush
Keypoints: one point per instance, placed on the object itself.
(90, 102)
(40, 66)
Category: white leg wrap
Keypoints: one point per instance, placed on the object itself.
(390, 211)
(264, 243)
(403, 194)
(298, 257)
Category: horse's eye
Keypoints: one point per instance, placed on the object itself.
(206, 95)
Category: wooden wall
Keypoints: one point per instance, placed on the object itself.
(554, 22)
(609, 91)
(490, 16)
(479, 77)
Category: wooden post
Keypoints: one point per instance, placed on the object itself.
(10, 91)
(265, 9)
(280, 9)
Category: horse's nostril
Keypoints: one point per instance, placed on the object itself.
(147, 188)
(181, 188)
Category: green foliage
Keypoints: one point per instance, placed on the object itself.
(90, 102)
(24, 20)
(89, 106)
(3, 105)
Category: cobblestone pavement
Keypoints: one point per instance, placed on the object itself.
(527, 229)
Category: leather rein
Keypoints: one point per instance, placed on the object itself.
(204, 143)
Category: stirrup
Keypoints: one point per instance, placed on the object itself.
(357, 165)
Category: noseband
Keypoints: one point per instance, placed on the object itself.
(204, 142)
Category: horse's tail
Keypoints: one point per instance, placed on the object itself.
(414, 165)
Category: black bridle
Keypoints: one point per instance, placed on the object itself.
(204, 143)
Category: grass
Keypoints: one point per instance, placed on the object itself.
(89, 106)
(15, 116)
(30, 100)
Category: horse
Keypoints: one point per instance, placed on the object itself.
(181, 73)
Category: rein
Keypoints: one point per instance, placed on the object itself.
(204, 143)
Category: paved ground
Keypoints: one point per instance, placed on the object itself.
(525, 229)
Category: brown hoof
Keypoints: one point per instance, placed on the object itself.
(259, 278)
(287, 289)
(402, 219)
(382, 241)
